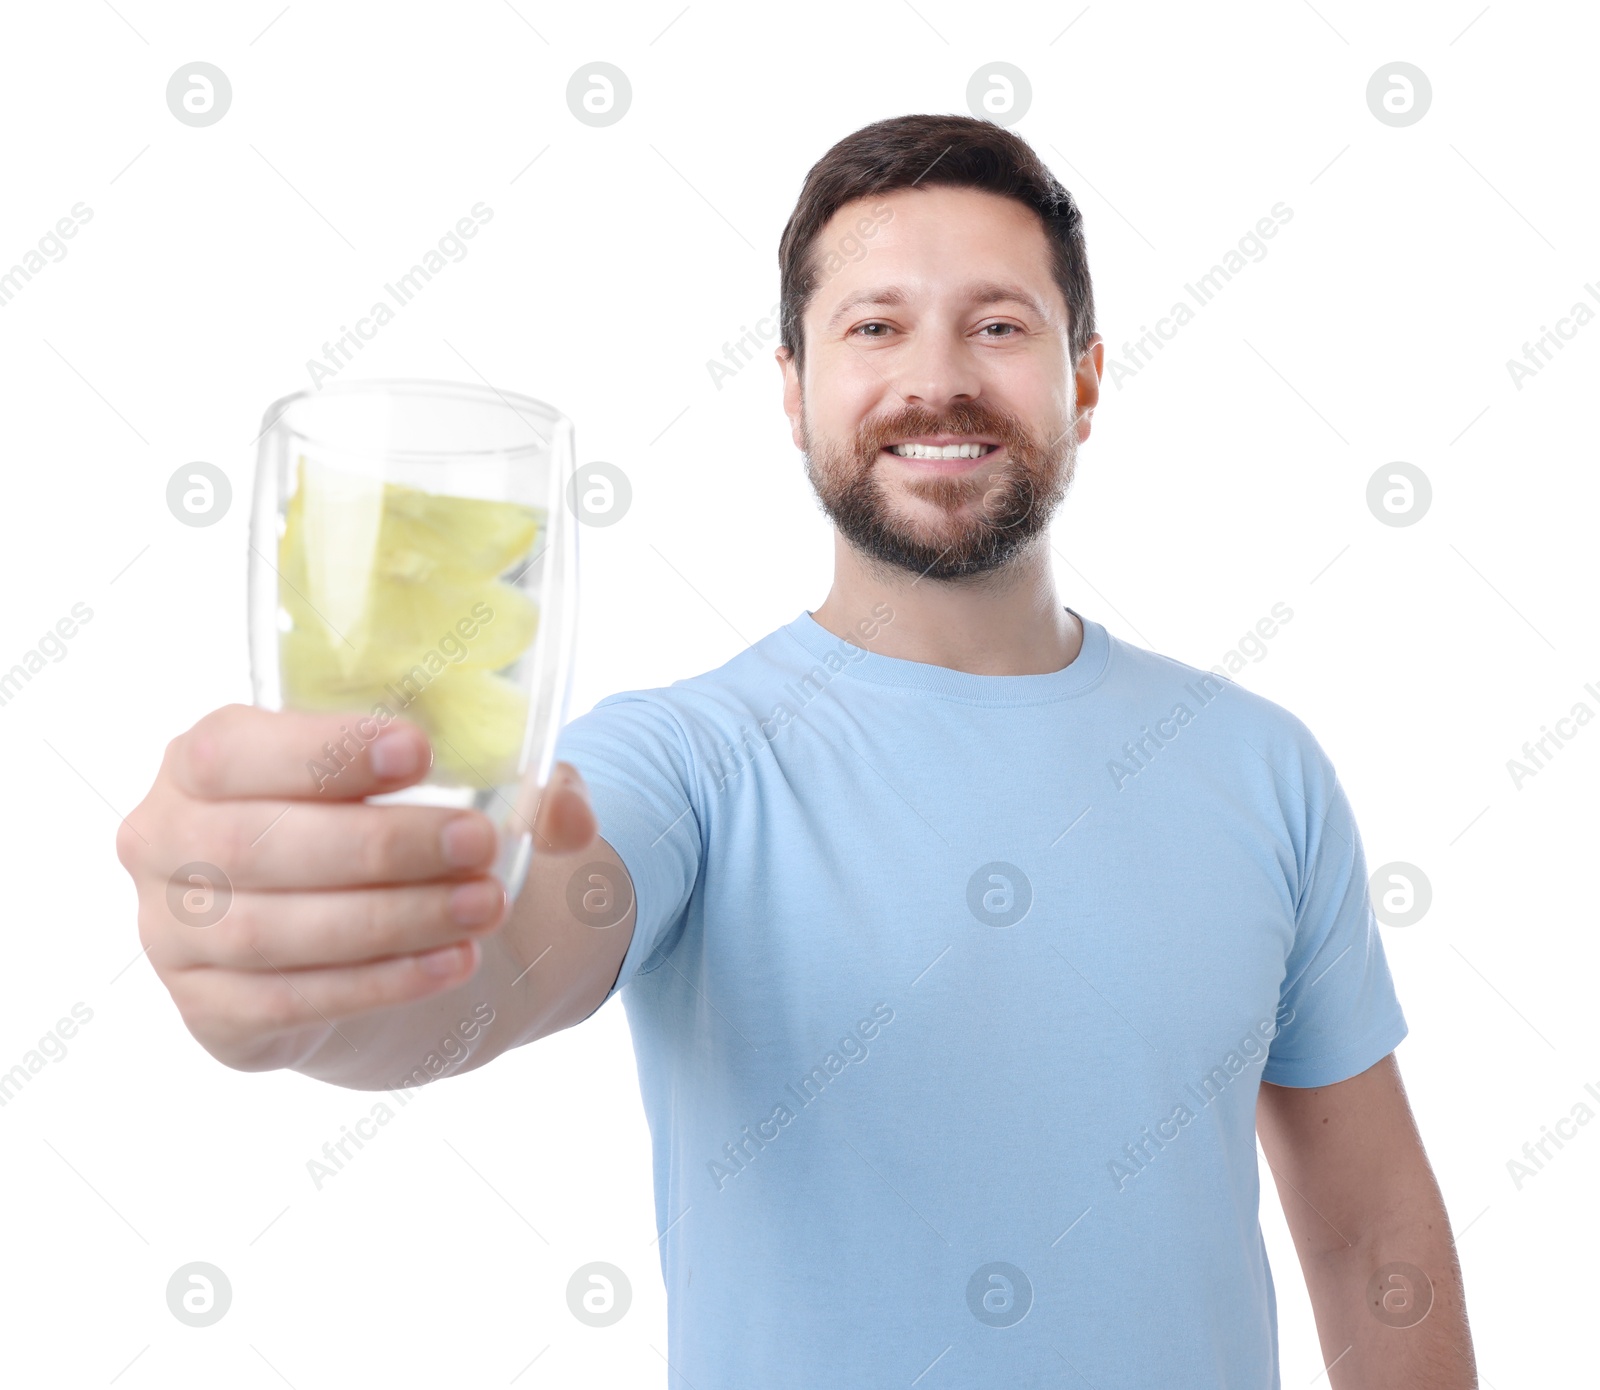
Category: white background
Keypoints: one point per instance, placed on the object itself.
(1228, 475)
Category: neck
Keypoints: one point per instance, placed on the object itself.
(1008, 622)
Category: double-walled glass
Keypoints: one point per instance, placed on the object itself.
(413, 554)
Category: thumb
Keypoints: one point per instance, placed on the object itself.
(564, 822)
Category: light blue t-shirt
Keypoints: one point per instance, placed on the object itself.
(951, 995)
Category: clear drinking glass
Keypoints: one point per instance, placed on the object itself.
(413, 554)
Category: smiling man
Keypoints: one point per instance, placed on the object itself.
(966, 948)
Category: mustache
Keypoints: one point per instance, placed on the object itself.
(965, 417)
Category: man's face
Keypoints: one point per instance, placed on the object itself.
(950, 331)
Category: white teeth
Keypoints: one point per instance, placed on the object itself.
(947, 451)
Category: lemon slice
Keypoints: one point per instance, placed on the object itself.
(457, 532)
(478, 720)
(394, 597)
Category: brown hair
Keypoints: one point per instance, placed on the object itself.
(916, 151)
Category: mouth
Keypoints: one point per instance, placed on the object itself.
(942, 453)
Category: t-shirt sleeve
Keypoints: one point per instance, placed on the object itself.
(1338, 1014)
(635, 759)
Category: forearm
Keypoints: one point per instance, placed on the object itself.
(444, 1034)
(545, 969)
(1381, 1326)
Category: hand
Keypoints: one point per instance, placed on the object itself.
(329, 907)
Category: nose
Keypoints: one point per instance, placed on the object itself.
(935, 369)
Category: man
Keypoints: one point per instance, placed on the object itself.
(965, 947)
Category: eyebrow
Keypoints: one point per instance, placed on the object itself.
(893, 297)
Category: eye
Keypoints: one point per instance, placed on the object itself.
(860, 326)
(1014, 330)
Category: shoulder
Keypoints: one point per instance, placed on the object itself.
(714, 704)
(1230, 713)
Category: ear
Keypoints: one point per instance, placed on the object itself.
(792, 402)
(1086, 383)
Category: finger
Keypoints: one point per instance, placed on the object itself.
(297, 931)
(239, 751)
(565, 820)
(304, 845)
(242, 1006)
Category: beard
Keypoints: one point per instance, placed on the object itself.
(986, 516)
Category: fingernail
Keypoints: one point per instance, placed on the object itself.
(473, 904)
(467, 840)
(446, 961)
(395, 754)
